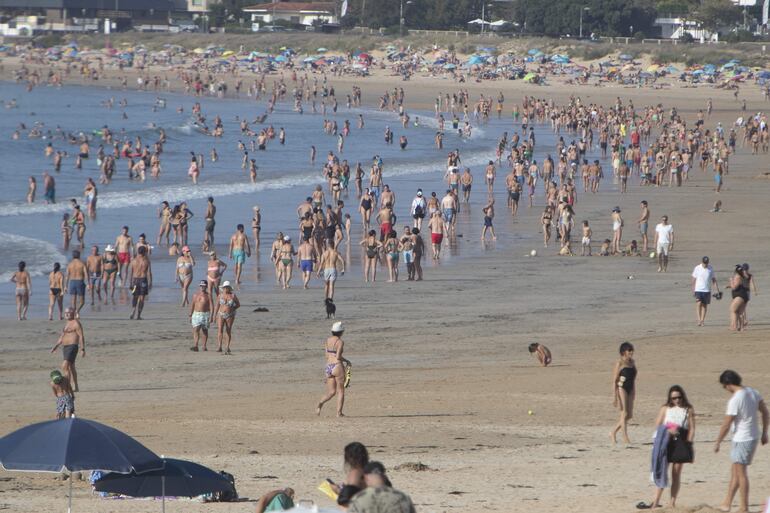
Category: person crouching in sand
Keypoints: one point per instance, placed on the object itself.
(542, 353)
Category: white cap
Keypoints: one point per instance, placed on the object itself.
(286, 238)
(337, 327)
(226, 284)
(109, 248)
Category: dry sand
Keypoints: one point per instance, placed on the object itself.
(441, 371)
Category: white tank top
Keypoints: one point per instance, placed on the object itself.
(676, 415)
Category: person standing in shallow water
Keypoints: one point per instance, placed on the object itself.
(624, 390)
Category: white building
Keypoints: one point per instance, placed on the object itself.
(303, 13)
(675, 28)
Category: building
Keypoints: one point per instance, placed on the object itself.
(675, 28)
(298, 13)
(27, 17)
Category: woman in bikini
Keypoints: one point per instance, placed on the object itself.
(225, 311)
(285, 262)
(110, 270)
(334, 371)
(71, 339)
(214, 272)
(90, 196)
(546, 220)
(164, 213)
(624, 390)
(372, 246)
(23, 290)
(55, 286)
(739, 283)
(392, 249)
(184, 272)
(184, 216)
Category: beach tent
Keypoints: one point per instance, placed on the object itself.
(764, 74)
(228, 53)
(449, 66)
(475, 59)
(653, 68)
(280, 58)
(672, 69)
(322, 50)
(530, 77)
(177, 478)
(625, 57)
(534, 51)
(559, 59)
(478, 21)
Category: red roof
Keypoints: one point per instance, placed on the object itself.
(293, 6)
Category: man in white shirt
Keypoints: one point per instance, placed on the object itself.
(702, 278)
(741, 414)
(664, 242)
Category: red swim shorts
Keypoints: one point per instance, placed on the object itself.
(124, 258)
(436, 238)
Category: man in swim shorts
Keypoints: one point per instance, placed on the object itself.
(448, 209)
(436, 225)
(200, 316)
(141, 271)
(94, 266)
(240, 248)
(76, 282)
(328, 264)
(123, 245)
(307, 257)
(664, 242)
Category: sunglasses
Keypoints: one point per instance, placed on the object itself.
(675, 397)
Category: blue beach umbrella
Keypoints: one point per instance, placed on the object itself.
(178, 478)
(74, 445)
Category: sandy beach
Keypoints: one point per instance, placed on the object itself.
(441, 372)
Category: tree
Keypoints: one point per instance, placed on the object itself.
(606, 17)
(717, 13)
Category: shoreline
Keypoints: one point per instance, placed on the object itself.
(441, 372)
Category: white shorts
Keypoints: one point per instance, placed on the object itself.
(663, 248)
(586, 241)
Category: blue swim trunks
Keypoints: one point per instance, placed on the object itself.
(239, 256)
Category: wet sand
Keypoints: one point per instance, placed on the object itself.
(441, 371)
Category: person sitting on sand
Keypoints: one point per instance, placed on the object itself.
(631, 249)
(277, 500)
(542, 353)
(379, 495)
(356, 457)
(605, 249)
(566, 249)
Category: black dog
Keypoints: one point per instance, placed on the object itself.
(331, 308)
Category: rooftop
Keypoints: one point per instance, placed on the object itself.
(292, 6)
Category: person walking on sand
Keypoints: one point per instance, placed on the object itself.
(227, 304)
(94, 267)
(56, 294)
(739, 283)
(702, 279)
(200, 316)
(664, 243)
(436, 225)
(240, 248)
(70, 340)
(742, 409)
(677, 418)
(334, 371)
(23, 284)
(124, 244)
(327, 265)
(624, 390)
(141, 283)
(76, 282)
(184, 272)
(307, 257)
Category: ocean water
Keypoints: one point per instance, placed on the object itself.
(31, 232)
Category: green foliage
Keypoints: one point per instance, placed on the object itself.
(604, 17)
(717, 13)
(739, 36)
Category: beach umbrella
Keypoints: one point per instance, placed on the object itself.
(625, 57)
(178, 478)
(653, 68)
(449, 66)
(74, 445)
(228, 53)
(534, 51)
(321, 50)
(280, 58)
(529, 77)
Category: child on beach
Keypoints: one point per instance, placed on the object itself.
(566, 249)
(542, 353)
(586, 242)
(605, 249)
(631, 249)
(65, 397)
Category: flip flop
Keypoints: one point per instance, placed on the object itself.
(643, 505)
(193, 348)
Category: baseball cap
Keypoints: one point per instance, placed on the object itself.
(203, 283)
(286, 238)
(226, 284)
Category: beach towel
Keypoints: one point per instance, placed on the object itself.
(659, 464)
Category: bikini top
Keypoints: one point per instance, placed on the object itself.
(228, 302)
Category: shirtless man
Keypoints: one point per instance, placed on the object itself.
(94, 266)
(448, 210)
(200, 316)
(466, 182)
(328, 265)
(239, 250)
(141, 271)
(76, 282)
(307, 257)
(387, 197)
(208, 235)
(49, 188)
(305, 207)
(644, 220)
(123, 245)
(436, 225)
